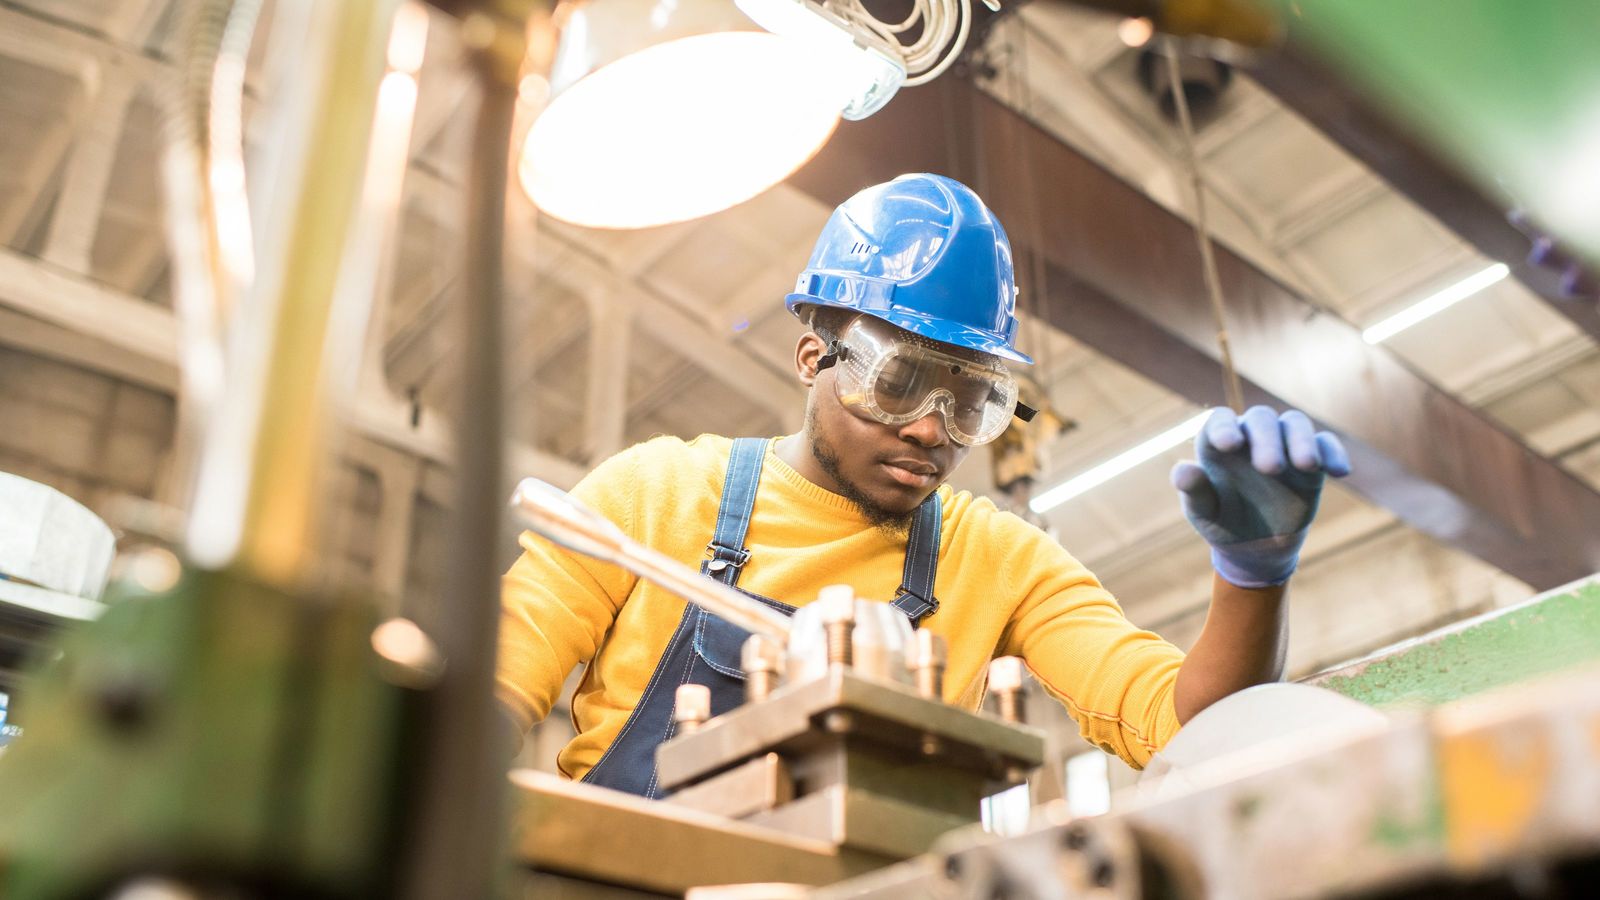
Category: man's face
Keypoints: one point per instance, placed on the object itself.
(885, 470)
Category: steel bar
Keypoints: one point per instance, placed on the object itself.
(452, 833)
(1124, 277)
(560, 517)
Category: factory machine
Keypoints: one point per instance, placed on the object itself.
(844, 776)
(230, 726)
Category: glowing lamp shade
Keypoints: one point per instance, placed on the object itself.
(679, 129)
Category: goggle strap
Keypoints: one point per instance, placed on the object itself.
(836, 351)
(1025, 412)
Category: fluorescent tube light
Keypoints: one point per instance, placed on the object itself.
(1122, 462)
(1435, 304)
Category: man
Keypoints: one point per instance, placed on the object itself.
(910, 302)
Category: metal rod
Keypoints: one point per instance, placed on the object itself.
(453, 832)
(555, 514)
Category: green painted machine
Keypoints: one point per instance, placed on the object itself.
(219, 733)
(1506, 91)
(1552, 632)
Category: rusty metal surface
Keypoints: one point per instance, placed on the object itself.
(880, 713)
(1505, 778)
(1307, 820)
(1519, 773)
(1124, 277)
(1486, 793)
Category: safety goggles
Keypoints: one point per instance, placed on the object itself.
(892, 376)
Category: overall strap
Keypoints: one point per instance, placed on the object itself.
(922, 562)
(728, 554)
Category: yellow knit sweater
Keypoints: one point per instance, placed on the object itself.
(1005, 588)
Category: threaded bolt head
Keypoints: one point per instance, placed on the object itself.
(691, 706)
(1005, 674)
(838, 604)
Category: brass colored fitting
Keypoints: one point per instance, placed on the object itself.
(761, 660)
(691, 707)
(1005, 679)
(839, 622)
(925, 658)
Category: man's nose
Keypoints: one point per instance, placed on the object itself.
(928, 431)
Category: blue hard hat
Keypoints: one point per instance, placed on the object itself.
(921, 252)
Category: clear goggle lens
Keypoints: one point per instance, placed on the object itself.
(895, 377)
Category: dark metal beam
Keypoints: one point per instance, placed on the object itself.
(1123, 275)
(1386, 146)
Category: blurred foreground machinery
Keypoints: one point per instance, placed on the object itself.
(1491, 794)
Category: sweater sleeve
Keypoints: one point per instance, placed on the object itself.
(556, 605)
(1115, 679)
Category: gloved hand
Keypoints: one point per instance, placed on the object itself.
(1254, 492)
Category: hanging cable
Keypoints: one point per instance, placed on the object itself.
(1044, 355)
(1202, 232)
(946, 25)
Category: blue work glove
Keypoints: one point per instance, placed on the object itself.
(1254, 492)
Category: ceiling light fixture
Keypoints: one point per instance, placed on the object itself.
(1435, 304)
(662, 111)
(1100, 474)
(666, 111)
(869, 71)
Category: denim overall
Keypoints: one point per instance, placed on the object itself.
(705, 648)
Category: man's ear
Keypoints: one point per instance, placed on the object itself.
(807, 353)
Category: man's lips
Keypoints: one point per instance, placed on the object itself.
(911, 472)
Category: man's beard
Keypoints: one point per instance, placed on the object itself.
(894, 524)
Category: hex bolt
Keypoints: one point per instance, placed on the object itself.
(691, 707)
(838, 622)
(1005, 679)
(761, 659)
(925, 657)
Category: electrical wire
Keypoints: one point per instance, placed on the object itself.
(946, 24)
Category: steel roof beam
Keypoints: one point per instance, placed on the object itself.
(1123, 276)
